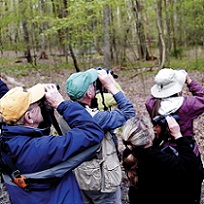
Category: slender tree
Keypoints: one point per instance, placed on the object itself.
(168, 28)
(142, 49)
(26, 35)
(107, 46)
(160, 35)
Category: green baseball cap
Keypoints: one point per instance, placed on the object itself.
(78, 83)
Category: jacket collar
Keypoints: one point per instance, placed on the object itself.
(11, 131)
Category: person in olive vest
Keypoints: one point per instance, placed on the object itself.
(100, 178)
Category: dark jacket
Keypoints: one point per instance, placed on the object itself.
(166, 178)
(3, 88)
(33, 151)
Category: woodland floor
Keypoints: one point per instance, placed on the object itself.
(136, 87)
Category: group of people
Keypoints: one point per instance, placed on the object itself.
(161, 157)
(163, 163)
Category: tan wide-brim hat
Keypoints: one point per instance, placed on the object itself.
(17, 101)
(168, 82)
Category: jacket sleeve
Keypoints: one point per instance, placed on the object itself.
(194, 105)
(113, 119)
(3, 88)
(149, 104)
(40, 153)
(185, 161)
(80, 120)
(196, 89)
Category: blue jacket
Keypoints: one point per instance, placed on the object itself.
(110, 120)
(34, 152)
(3, 88)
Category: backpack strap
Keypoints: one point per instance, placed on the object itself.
(13, 176)
(14, 173)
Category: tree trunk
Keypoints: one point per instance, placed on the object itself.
(25, 33)
(179, 11)
(107, 46)
(57, 10)
(168, 41)
(65, 13)
(173, 30)
(26, 38)
(159, 6)
(43, 26)
(142, 49)
(74, 58)
(148, 36)
(160, 35)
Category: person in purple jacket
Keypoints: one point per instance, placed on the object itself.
(166, 98)
(27, 149)
(3, 88)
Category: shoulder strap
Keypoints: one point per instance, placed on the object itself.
(47, 176)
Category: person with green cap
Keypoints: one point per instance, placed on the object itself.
(100, 177)
(104, 100)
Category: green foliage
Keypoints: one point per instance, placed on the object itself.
(194, 20)
(49, 25)
(44, 68)
(197, 65)
(17, 70)
(188, 64)
(177, 52)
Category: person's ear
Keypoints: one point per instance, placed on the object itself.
(28, 118)
(89, 92)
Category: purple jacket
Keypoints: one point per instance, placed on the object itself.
(192, 107)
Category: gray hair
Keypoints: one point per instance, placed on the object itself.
(137, 131)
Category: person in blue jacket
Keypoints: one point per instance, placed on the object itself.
(3, 88)
(4, 197)
(32, 149)
(100, 178)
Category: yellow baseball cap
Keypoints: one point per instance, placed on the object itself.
(17, 101)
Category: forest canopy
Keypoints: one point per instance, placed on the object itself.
(118, 32)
